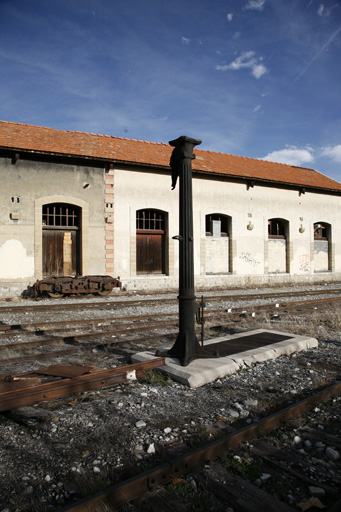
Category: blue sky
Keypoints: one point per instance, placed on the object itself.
(255, 78)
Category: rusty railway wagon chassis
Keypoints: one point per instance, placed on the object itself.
(57, 287)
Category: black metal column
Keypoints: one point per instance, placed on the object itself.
(186, 347)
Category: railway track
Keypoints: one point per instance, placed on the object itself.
(36, 340)
(124, 301)
(106, 332)
(222, 470)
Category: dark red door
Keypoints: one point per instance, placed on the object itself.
(150, 252)
(59, 252)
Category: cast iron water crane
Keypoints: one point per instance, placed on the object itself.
(186, 347)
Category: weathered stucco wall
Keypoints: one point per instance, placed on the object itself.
(245, 258)
(254, 257)
(28, 183)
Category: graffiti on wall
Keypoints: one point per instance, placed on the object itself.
(304, 262)
(248, 258)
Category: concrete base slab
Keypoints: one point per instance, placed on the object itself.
(203, 371)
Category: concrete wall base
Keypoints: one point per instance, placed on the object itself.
(222, 282)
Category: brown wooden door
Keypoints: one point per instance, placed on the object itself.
(150, 252)
(60, 252)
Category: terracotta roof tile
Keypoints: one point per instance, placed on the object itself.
(23, 137)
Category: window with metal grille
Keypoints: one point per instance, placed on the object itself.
(152, 220)
(61, 215)
(223, 219)
(276, 228)
(320, 231)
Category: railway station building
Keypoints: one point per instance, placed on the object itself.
(81, 203)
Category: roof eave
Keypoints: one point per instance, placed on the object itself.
(289, 184)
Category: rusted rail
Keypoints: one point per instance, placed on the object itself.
(168, 300)
(210, 314)
(116, 327)
(69, 386)
(136, 487)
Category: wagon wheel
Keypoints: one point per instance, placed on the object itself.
(55, 295)
(104, 293)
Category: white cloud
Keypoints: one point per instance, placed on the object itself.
(185, 40)
(291, 156)
(320, 10)
(324, 11)
(333, 152)
(246, 60)
(255, 5)
(257, 107)
(229, 17)
(259, 70)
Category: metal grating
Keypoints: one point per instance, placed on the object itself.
(244, 343)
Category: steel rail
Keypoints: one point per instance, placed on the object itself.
(126, 303)
(48, 325)
(137, 486)
(211, 316)
(65, 387)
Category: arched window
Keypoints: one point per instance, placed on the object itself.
(217, 246)
(278, 257)
(217, 225)
(322, 247)
(150, 242)
(320, 231)
(276, 228)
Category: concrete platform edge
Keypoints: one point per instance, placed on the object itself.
(203, 371)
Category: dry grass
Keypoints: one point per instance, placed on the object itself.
(324, 324)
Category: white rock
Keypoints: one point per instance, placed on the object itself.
(316, 491)
(297, 440)
(250, 402)
(332, 454)
(140, 424)
(233, 413)
(96, 469)
(167, 430)
(47, 478)
(193, 484)
(237, 406)
(265, 477)
(151, 448)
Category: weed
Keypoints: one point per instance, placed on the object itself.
(247, 467)
(203, 436)
(196, 500)
(156, 378)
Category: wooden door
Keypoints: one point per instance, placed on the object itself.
(150, 252)
(60, 249)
